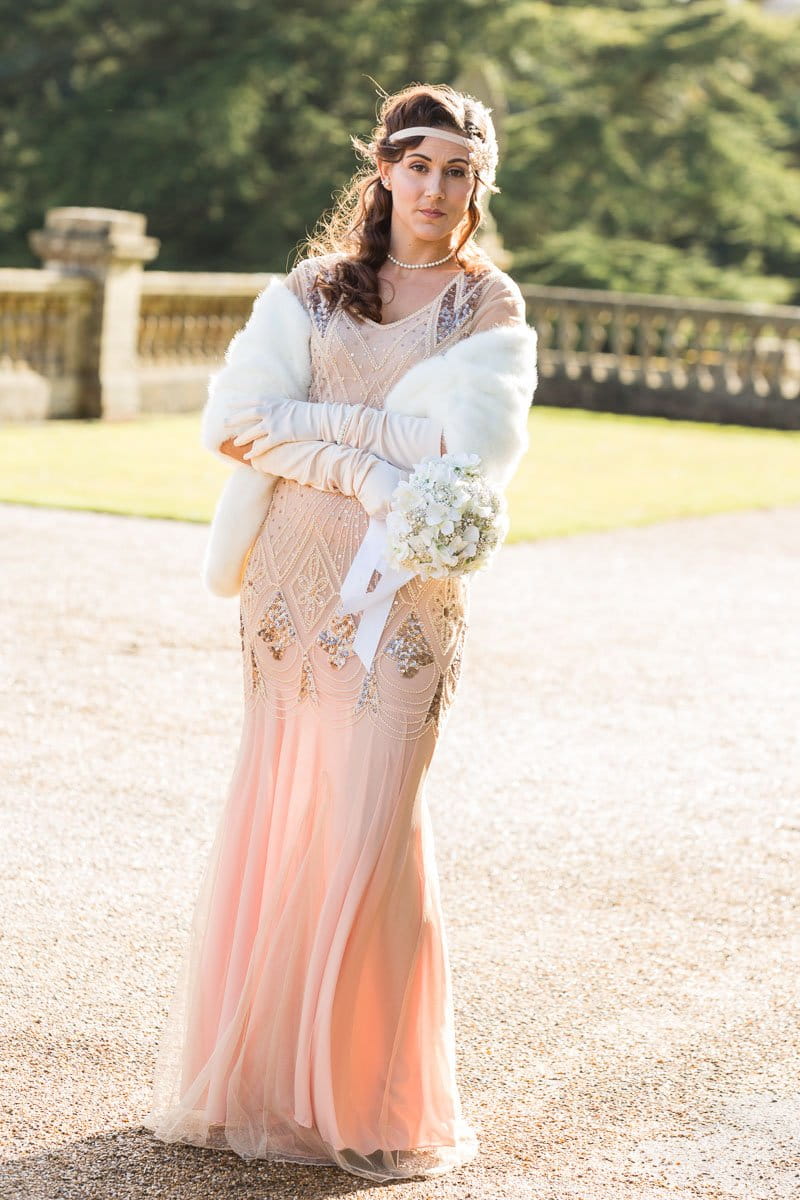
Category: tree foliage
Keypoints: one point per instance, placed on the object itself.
(646, 146)
(654, 150)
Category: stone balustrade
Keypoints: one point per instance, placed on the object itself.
(186, 321)
(94, 334)
(43, 323)
(705, 360)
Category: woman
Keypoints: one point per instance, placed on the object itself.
(313, 1022)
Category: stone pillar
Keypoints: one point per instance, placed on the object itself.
(110, 248)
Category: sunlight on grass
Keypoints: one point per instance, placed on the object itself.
(152, 466)
(588, 470)
(583, 471)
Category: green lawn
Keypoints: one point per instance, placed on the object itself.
(584, 470)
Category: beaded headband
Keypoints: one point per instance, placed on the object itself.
(426, 130)
(483, 156)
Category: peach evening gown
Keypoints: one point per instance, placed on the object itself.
(313, 1017)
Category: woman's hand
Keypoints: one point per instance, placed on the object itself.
(244, 423)
(278, 420)
(238, 418)
(233, 451)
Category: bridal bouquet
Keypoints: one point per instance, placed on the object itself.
(445, 519)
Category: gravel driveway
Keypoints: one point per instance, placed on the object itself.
(616, 802)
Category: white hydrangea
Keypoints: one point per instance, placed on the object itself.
(445, 519)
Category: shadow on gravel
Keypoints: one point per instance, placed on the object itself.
(132, 1165)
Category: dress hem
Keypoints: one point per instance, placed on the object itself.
(453, 1154)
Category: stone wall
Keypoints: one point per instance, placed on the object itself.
(186, 320)
(700, 360)
(93, 334)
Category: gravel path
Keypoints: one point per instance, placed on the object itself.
(616, 801)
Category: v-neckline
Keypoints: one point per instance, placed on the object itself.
(417, 311)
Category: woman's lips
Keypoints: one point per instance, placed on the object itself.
(431, 212)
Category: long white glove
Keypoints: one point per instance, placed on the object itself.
(332, 468)
(399, 439)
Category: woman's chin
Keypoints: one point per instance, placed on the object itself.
(428, 230)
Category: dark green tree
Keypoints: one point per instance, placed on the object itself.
(647, 146)
(226, 121)
(653, 150)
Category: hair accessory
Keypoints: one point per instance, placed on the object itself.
(431, 131)
(483, 156)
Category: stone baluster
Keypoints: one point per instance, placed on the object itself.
(110, 248)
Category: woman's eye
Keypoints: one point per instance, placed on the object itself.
(456, 170)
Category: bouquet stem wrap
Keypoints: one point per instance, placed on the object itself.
(375, 605)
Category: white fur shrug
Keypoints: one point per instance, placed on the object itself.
(480, 391)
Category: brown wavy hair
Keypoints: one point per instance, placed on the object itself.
(359, 224)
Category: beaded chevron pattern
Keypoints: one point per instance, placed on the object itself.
(297, 649)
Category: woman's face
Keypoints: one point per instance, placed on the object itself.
(431, 188)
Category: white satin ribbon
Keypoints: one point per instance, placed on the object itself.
(375, 605)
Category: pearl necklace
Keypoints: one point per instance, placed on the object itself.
(419, 266)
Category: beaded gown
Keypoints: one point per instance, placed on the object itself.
(313, 1018)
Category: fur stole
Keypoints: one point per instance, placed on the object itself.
(480, 390)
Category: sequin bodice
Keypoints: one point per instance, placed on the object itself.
(361, 361)
(296, 649)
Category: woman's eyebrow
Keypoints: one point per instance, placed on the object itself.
(416, 154)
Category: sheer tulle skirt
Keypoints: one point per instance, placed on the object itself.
(313, 1020)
